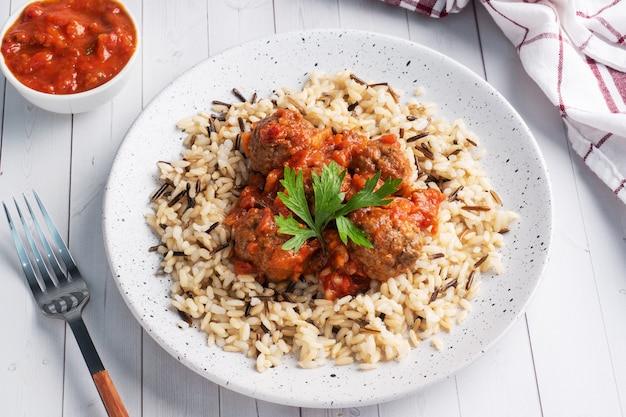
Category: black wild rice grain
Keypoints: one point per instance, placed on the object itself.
(470, 280)
(202, 245)
(286, 297)
(291, 286)
(357, 79)
(449, 284)
(394, 95)
(221, 103)
(239, 95)
(361, 322)
(431, 178)
(212, 227)
(434, 295)
(454, 152)
(220, 247)
(297, 105)
(417, 164)
(242, 125)
(476, 208)
(158, 193)
(455, 193)
(426, 151)
(481, 261)
(177, 198)
(495, 197)
(416, 137)
(186, 317)
(190, 201)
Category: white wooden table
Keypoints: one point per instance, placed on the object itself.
(565, 357)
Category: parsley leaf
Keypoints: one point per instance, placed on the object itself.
(290, 226)
(328, 206)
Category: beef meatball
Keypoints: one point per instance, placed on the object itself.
(396, 239)
(274, 139)
(258, 242)
(387, 158)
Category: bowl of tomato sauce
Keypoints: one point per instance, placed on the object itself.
(69, 56)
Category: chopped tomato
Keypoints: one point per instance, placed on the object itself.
(69, 46)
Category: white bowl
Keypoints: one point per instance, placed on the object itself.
(71, 103)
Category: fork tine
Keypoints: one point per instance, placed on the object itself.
(21, 253)
(41, 266)
(72, 269)
(52, 259)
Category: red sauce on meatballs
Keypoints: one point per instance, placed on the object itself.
(396, 230)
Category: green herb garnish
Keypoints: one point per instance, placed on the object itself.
(329, 205)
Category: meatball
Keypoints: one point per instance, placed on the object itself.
(258, 243)
(384, 157)
(276, 138)
(396, 239)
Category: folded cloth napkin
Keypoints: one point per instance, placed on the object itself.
(575, 50)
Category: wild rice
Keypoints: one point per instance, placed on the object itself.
(267, 322)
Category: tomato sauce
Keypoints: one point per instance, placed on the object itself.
(69, 46)
(342, 269)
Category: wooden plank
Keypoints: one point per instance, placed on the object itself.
(115, 332)
(233, 404)
(374, 16)
(294, 15)
(34, 154)
(610, 277)
(456, 36)
(369, 411)
(438, 399)
(171, 389)
(232, 22)
(566, 326)
(175, 38)
(502, 382)
(497, 383)
(267, 409)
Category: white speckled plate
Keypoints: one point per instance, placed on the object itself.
(514, 162)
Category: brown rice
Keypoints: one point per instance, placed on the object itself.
(267, 322)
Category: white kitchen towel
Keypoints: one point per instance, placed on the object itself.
(576, 53)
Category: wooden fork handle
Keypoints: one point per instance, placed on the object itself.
(111, 399)
(108, 393)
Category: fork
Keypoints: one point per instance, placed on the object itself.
(61, 292)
